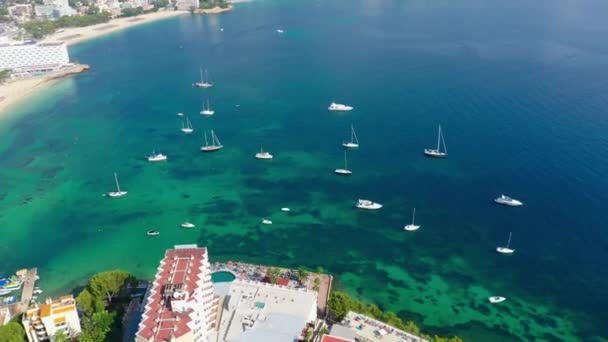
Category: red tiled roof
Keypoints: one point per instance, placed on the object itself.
(160, 322)
(328, 338)
(283, 281)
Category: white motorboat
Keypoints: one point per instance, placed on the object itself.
(367, 204)
(204, 83)
(507, 249)
(280, 31)
(266, 221)
(354, 141)
(263, 155)
(215, 143)
(180, 114)
(207, 110)
(437, 153)
(339, 107)
(345, 171)
(188, 225)
(285, 209)
(496, 299)
(187, 128)
(412, 227)
(152, 232)
(506, 200)
(157, 157)
(118, 192)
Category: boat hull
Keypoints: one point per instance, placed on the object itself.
(207, 112)
(368, 206)
(504, 250)
(434, 153)
(211, 148)
(343, 172)
(263, 156)
(187, 131)
(494, 300)
(117, 193)
(411, 227)
(350, 145)
(203, 85)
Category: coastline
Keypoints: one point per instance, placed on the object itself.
(12, 92)
(214, 10)
(75, 35)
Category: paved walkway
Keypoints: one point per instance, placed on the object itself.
(27, 291)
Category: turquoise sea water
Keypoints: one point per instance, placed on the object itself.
(520, 89)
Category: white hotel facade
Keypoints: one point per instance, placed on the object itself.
(33, 59)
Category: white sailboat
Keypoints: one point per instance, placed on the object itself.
(345, 171)
(180, 114)
(204, 83)
(367, 204)
(118, 192)
(188, 225)
(506, 200)
(263, 155)
(156, 157)
(436, 153)
(496, 299)
(207, 110)
(506, 250)
(215, 143)
(354, 141)
(412, 227)
(338, 107)
(266, 221)
(187, 128)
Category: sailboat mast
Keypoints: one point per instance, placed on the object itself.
(208, 106)
(116, 179)
(353, 137)
(438, 138)
(509, 242)
(201, 71)
(206, 143)
(413, 216)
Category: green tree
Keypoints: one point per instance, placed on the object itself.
(131, 12)
(320, 270)
(96, 327)
(374, 311)
(339, 304)
(12, 332)
(60, 336)
(108, 284)
(412, 328)
(88, 303)
(4, 75)
(302, 275)
(273, 274)
(39, 28)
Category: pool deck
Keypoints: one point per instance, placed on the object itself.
(252, 272)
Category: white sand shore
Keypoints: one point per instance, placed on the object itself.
(75, 35)
(13, 92)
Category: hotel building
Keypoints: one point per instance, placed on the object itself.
(33, 59)
(181, 306)
(186, 5)
(43, 321)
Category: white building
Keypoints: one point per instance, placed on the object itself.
(5, 315)
(186, 5)
(44, 11)
(21, 13)
(181, 306)
(43, 321)
(33, 59)
(261, 312)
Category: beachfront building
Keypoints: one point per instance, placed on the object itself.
(181, 305)
(33, 59)
(358, 327)
(261, 312)
(43, 321)
(21, 13)
(186, 5)
(44, 11)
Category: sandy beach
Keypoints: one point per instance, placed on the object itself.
(12, 92)
(75, 35)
